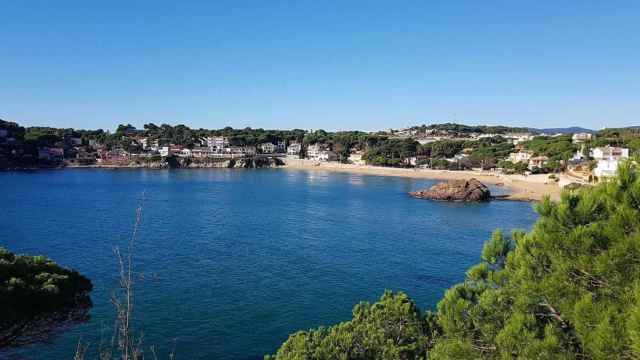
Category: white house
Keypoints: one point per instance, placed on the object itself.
(608, 160)
(164, 151)
(581, 137)
(517, 138)
(294, 149)
(314, 150)
(319, 152)
(521, 156)
(267, 148)
(606, 168)
(326, 155)
(578, 156)
(217, 143)
(610, 153)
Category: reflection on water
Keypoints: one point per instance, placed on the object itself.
(45, 328)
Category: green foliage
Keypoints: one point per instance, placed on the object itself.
(470, 129)
(443, 148)
(556, 148)
(568, 289)
(390, 152)
(510, 168)
(392, 328)
(32, 285)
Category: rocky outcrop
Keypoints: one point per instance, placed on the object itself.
(194, 163)
(456, 190)
(247, 162)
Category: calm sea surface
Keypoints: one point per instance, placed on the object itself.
(235, 260)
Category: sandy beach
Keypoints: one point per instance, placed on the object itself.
(519, 187)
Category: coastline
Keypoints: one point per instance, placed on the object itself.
(518, 187)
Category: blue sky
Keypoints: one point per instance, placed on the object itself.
(335, 65)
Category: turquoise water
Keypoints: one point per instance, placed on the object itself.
(235, 260)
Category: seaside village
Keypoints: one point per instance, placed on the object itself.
(585, 156)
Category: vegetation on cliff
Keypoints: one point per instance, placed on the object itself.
(568, 289)
(34, 285)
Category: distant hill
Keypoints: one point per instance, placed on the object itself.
(567, 130)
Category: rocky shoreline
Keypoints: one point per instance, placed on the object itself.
(173, 163)
(456, 190)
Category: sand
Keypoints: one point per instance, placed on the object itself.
(518, 187)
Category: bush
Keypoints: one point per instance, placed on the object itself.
(33, 285)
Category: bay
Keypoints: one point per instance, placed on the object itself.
(232, 261)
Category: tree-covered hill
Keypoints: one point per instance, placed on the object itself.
(568, 289)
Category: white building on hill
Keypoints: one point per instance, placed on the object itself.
(608, 160)
(581, 137)
(217, 143)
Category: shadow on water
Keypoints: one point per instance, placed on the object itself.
(44, 328)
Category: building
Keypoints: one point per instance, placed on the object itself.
(217, 143)
(294, 149)
(521, 156)
(267, 148)
(281, 147)
(538, 161)
(581, 137)
(319, 152)
(250, 150)
(326, 155)
(314, 150)
(4, 133)
(164, 151)
(609, 159)
(201, 152)
(610, 153)
(518, 138)
(606, 168)
(176, 148)
(356, 158)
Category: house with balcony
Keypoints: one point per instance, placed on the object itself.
(217, 143)
(294, 149)
(267, 148)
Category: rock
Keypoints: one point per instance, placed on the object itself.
(456, 190)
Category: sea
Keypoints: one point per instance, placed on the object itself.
(229, 262)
